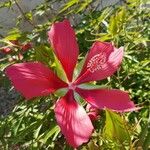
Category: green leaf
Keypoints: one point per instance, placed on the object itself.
(44, 54)
(59, 69)
(92, 146)
(6, 4)
(16, 127)
(146, 144)
(113, 26)
(83, 5)
(36, 133)
(115, 128)
(68, 5)
(78, 68)
(122, 15)
(105, 13)
(14, 34)
(105, 37)
(49, 133)
(26, 131)
(3, 127)
(29, 15)
(143, 139)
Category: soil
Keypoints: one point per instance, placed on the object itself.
(8, 99)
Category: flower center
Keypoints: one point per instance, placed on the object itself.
(96, 62)
(71, 86)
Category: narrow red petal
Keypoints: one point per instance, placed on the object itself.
(33, 79)
(75, 124)
(113, 99)
(102, 61)
(63, 40)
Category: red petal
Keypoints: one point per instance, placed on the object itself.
(93, 112)
(73, 120)
(113, 99)
(102, 61)
(63, 40)
(33, 79)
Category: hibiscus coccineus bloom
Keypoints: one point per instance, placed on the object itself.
(33, 79)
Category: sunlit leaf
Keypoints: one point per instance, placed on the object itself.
(78, 68)
(113, 26)
(115, 128)
(59, 70)
(68, 5)
(44, 54)
(49, 133)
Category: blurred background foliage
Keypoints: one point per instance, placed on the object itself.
(32, 125)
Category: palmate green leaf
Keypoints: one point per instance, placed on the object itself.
(115, 128)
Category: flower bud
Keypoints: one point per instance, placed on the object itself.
(7, 50)
(26, 46)
(93, 112)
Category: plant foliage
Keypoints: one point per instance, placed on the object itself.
(31, 124)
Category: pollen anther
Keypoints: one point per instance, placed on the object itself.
(96, 62)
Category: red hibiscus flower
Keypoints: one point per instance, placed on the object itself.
(34, 79)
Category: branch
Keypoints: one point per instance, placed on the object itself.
(23, 14)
